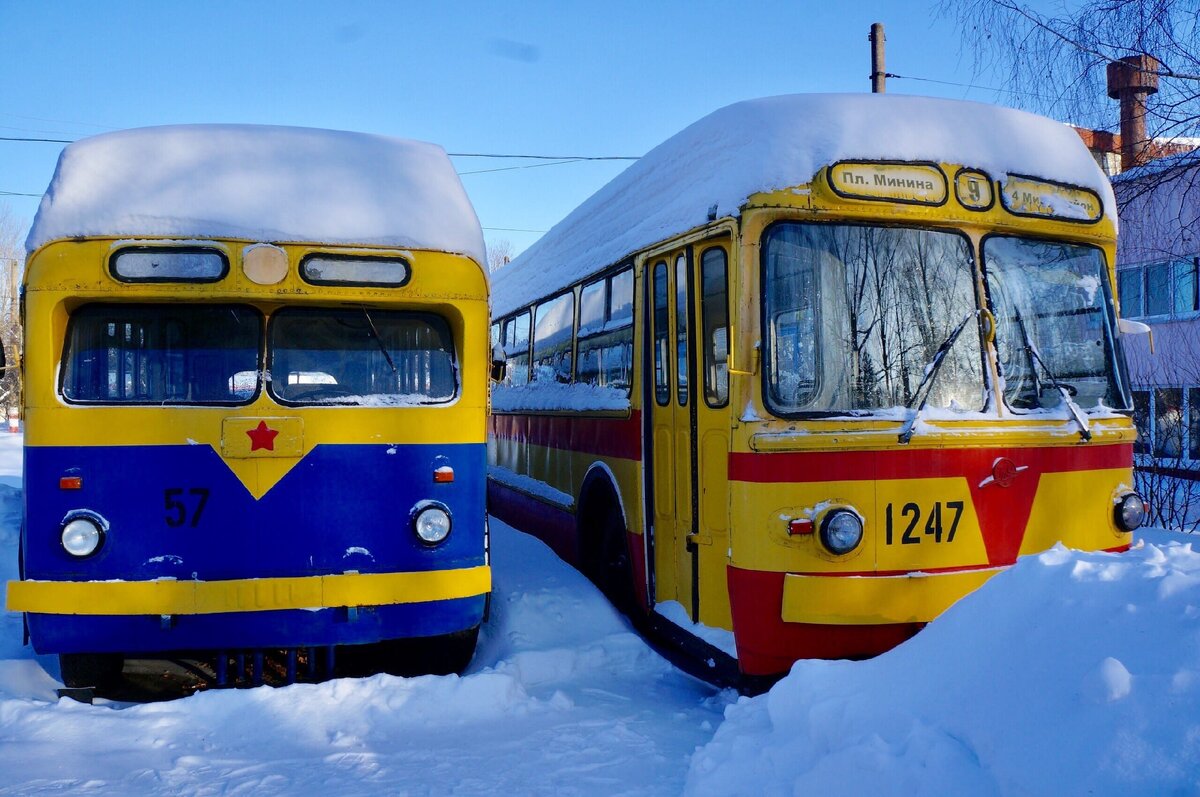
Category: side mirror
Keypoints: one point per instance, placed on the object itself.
(498, 362)
(1127, 327)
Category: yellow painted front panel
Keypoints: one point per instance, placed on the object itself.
(854, 600)
(761, 512)
(1076, 509)
(247, 438)
(924, 513)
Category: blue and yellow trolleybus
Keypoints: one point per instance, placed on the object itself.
(255, 370)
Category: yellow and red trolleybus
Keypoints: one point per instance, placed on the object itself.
(815, 368)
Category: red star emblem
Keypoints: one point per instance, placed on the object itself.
(262, 437)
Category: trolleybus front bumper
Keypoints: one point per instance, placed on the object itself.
(165, 614)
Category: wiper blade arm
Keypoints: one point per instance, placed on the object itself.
(1077, 414)
(379, 341)
(939, 357)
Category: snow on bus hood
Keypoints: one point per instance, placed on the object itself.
(775, 143)
(261, 183)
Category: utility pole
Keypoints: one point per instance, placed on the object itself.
(878, 73)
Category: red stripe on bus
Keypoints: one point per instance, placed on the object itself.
(766, 645)
(1002, 508)
(918, 463)
(604, 437)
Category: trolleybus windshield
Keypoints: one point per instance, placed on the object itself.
(855, 314)
(361, 356)
(1054, 323)
(162, 354)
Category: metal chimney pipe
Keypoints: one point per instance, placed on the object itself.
(1131, 80)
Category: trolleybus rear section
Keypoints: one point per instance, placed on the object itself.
(237, 443)
(877, 371)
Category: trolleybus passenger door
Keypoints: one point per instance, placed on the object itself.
(670, 432)
(690, 430)
(710, 454)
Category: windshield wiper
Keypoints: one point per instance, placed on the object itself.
(1077, 413)
(379, 342)
(939, 357)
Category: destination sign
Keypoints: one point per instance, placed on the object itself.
(973, 189)
(1028, 196)
(920, 183)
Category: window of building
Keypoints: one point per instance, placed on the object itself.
(1141, 419)
(1168, 423)
(1129, 285)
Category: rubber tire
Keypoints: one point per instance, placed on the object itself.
(80, 670)
(613, 570)
(436, 655)
(443, 655)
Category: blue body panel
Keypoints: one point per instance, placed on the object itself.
(340, 508)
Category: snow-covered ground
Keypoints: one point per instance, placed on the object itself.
(1069, 674)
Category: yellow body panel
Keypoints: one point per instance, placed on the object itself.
(855, 600)
(245, 595)
(65, 275)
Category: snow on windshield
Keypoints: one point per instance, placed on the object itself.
(261, 183)
(775, 143)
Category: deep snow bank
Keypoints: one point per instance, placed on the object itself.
(1071, 673)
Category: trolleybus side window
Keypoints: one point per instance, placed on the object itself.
(554, 326)
(516, 348)
(361, 356)
(606, 332)
(856, 314)
(715, 320)
(592, 302)
(162, 354)
(682, 315)
(1054, 323)
(662, 353)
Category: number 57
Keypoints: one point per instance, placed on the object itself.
(177, 510)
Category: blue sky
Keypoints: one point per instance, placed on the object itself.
(554, 78)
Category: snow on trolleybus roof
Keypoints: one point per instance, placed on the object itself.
(261, 183)
(776, 143)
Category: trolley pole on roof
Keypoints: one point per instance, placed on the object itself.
(878, 74)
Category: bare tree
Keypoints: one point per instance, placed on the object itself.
(12, 255)
(499, 254)
(1167, 465)
(1056, 64)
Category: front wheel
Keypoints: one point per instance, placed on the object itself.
(80, 670)
(612, 570)
(434, 655)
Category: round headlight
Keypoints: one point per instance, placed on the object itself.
(432, 524)
(1131, 512)
(82, 537)
(841, 531)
